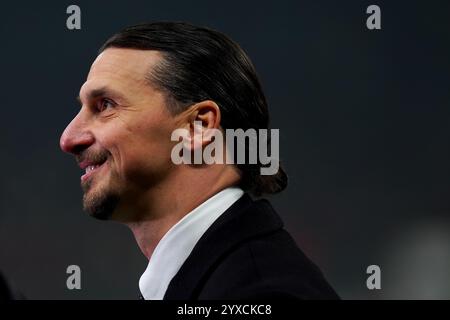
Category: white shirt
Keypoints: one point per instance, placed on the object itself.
(176, 245)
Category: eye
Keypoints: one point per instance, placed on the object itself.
(104, 104)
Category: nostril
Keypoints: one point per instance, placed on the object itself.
(75, 144)
(76, 136)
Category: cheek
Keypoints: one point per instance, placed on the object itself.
(145, 165)
(143, 153)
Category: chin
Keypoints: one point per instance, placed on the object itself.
(100, 205)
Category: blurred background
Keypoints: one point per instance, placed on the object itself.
(364, 135)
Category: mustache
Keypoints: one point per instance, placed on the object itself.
(92, 156)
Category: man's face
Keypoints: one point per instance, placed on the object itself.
(121, 135)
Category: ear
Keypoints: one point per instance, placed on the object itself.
(200, 120)
(207, 113)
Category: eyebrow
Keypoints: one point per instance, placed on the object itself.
(101, 92)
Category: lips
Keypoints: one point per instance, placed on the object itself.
(90, 169)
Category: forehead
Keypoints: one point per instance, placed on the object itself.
(121, 69)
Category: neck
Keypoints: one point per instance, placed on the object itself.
(163, 206)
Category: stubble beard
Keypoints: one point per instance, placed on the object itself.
(99, 204)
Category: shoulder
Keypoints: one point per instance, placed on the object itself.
(268, 266)
(247, 254)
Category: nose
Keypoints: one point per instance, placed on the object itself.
(76, 137)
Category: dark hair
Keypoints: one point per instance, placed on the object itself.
(203, 64)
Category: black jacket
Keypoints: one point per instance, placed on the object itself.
(246, 254)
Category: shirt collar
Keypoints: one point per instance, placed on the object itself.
(176, 245)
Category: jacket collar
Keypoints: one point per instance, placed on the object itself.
(243, 220)
(176, 245)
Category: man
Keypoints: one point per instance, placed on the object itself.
(204, 236)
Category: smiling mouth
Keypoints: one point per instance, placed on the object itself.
(90, 170)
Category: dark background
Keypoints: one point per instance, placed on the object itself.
(364, 135)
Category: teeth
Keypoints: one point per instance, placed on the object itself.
(90, 168)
